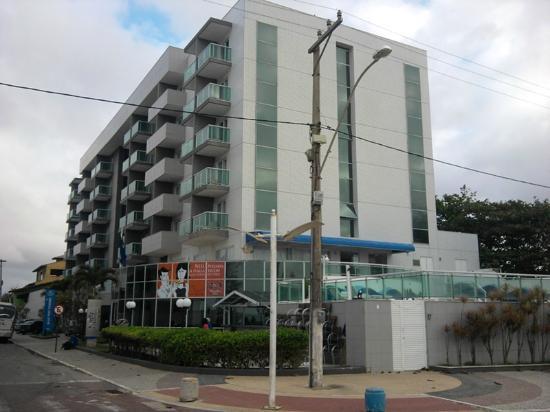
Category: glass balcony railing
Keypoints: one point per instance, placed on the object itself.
(136, 187)
(74, 197)
(100, 214)
(187, 148)
(139, 127)
(72, 215)
(186, 187)
(102, 167)
(211, 176)
(98, 238)
(209, 221)
(134, 217)
(70, 234)
(139, 156)
(212, 51)
(185, 228)
(101, 191)
(214, 91)
(214, 133)
(133, 249)
(188, 110)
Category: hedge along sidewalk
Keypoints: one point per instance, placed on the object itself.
(192, 347)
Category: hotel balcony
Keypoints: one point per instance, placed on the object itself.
(133, 221)
(135, 191)
(102, 170)
(70, 236)
(85, 185)
(101, 193)
(166, 204)
(213, 63)
(138, 133)
(212, 141)
(213, 100)
(82, 227)
(133, 249)
(97, 263)
(166, 170)
(97, 240)
(209, 182)
(73, 217)
(81, 249)
(69, 254)
(99, 216)
(168, 104)
(169, 135)
(84, 206)
(74, 197)
(161, 244)
(139, 161)
(208, 227)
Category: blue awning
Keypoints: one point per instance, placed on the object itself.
(345, 242)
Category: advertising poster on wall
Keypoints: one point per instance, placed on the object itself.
(215, 276)
(193, 280)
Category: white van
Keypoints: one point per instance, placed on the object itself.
(7, 320)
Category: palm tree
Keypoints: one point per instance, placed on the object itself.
(86, 282)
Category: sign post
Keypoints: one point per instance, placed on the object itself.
(58, 310)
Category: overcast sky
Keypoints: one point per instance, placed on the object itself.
(104, 48)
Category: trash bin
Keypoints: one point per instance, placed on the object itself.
(375, 400)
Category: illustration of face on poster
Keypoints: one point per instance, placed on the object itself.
(166, 287)
(182, 281)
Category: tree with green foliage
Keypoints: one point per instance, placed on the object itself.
(514, 236)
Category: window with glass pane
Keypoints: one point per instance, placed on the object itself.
(347, 227)
(266, 133)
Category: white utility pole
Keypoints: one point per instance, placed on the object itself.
(273, 313)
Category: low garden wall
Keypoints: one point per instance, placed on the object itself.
(208, 348)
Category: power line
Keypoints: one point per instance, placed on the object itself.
(98, 99)
(351, 41)
(397, 149)
(429, 46)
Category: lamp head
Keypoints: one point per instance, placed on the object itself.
(130, 304)
(183, 303)
(383, 52)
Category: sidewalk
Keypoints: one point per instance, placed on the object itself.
(405, 391)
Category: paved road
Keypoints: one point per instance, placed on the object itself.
(32, 383)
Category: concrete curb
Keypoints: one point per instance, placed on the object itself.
(492, 368)
(118, 385)
(220, 371)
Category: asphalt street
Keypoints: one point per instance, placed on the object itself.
(30, 382)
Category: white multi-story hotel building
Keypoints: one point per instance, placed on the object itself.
(169, 178)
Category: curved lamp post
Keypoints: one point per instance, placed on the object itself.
(131, 305)
(184, 303)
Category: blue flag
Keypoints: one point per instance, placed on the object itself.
(121, 250)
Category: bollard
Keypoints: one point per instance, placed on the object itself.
(375, 400)
(189, 390)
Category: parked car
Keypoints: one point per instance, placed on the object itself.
(30, 326)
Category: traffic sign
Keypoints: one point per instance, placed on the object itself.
(58, 310)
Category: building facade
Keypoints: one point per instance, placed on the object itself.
(211, 150)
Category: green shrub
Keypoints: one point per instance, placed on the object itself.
(208, 348)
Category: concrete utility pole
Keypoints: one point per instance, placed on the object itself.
(317, 318)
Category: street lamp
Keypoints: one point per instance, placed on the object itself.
(184, 303)
(131, 305)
